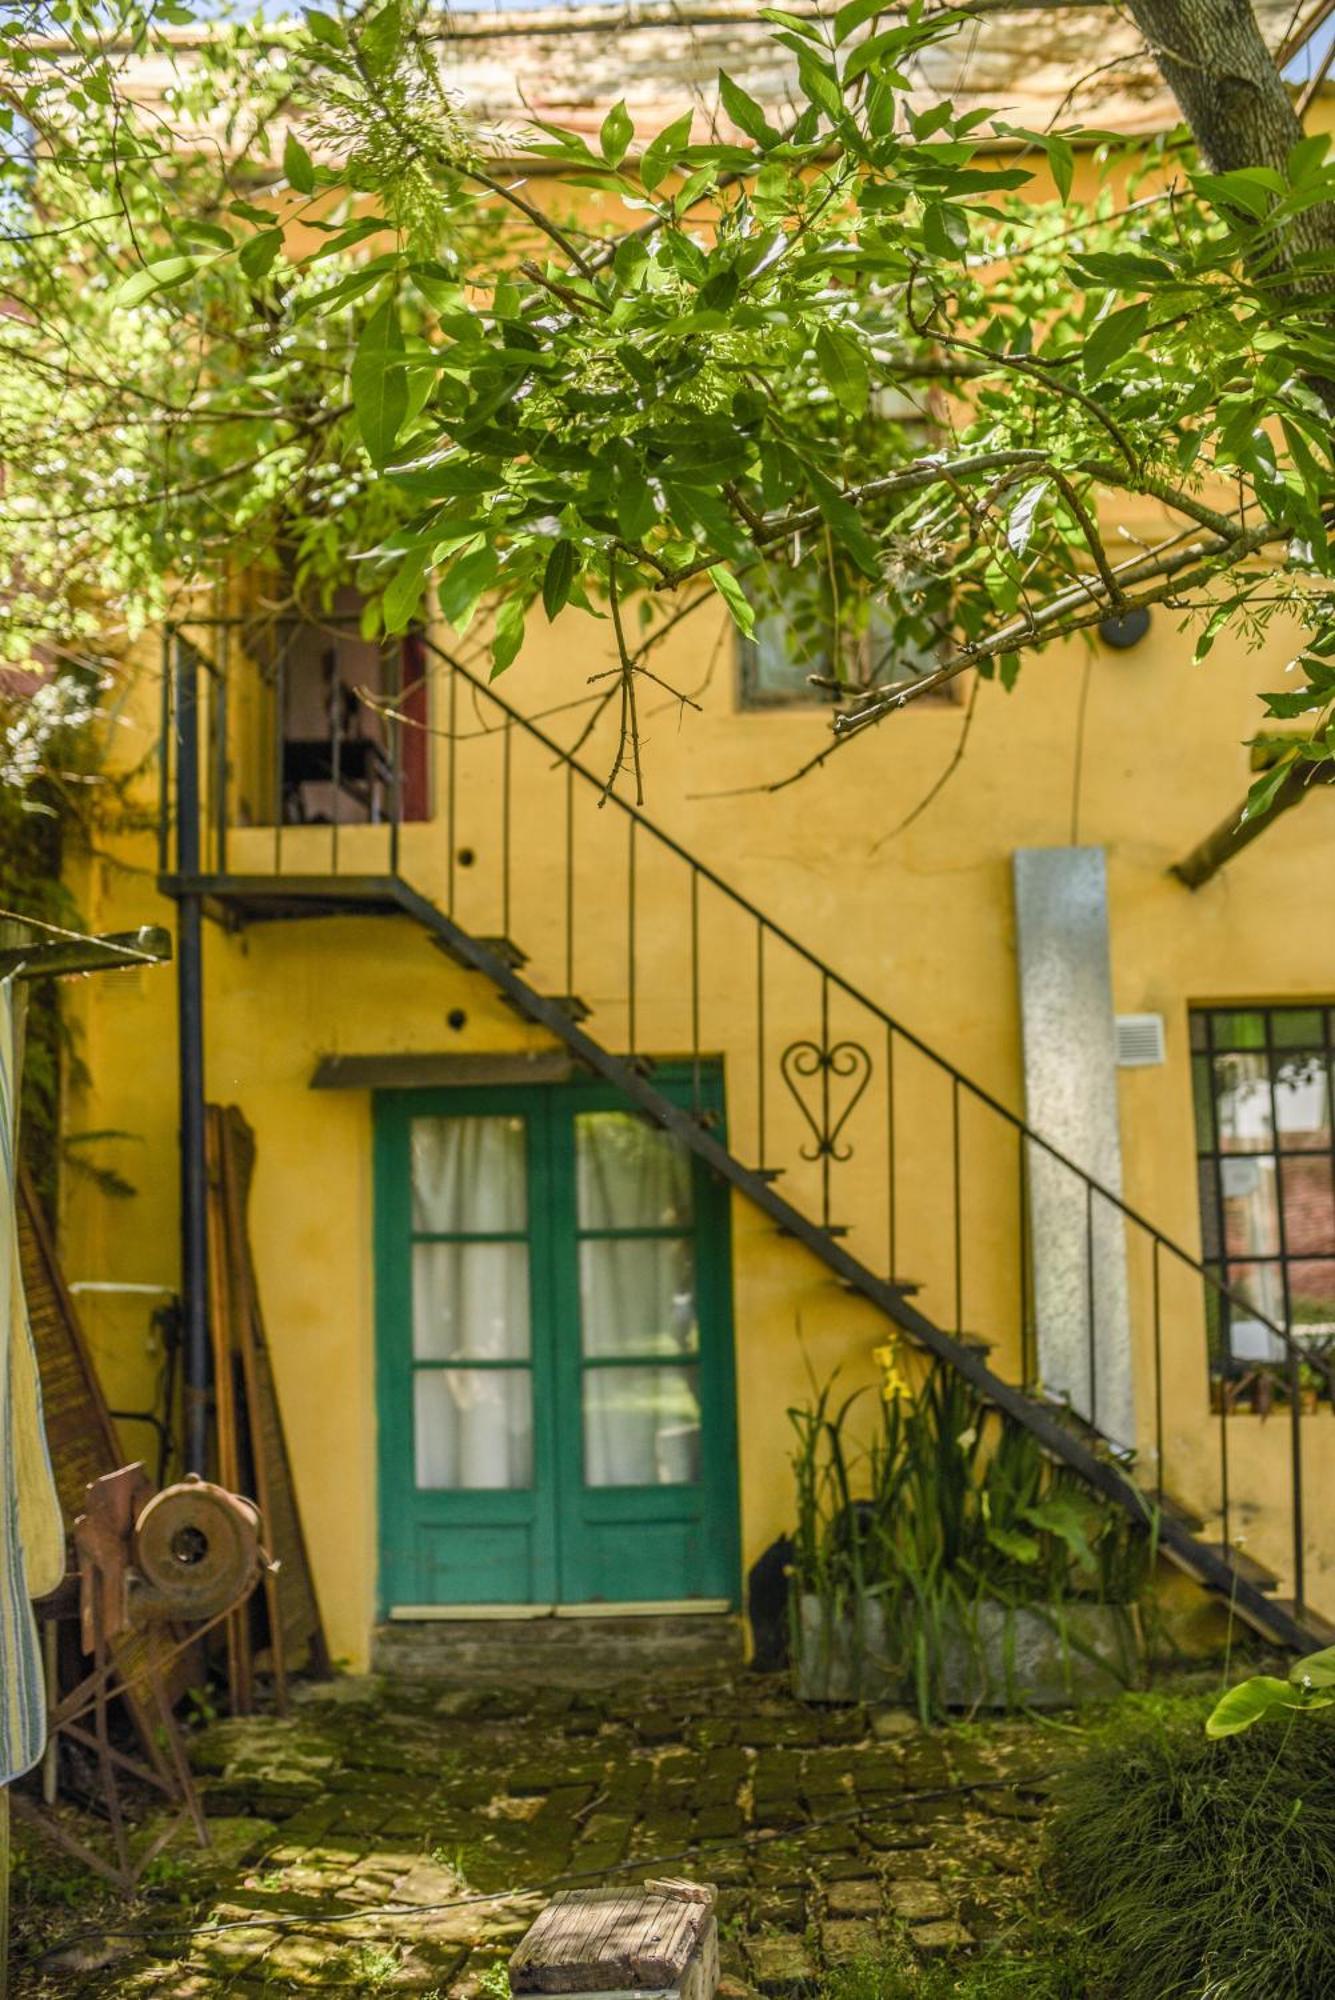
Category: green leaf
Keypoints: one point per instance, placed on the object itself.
(1061, 161)
(379, 383)
(256, 258)
(852, 16)
(1315, 1670)
(1251, 1701)
(1020, 1548)
(1111, 338)
(1020, 523)
(298, 167)
(508, 635)
(616, 134)
(744, 112)
(462, 586)
(1262, 794)
(728, 588)
(661, 154)
(945, 230)
(874, 54)
(326, 29)
(159, 276)
(842, 362)
(403, 592)
(381, 38)
(558, 576)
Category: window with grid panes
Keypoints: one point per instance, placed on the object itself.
(1262, 1083)
(817, 617)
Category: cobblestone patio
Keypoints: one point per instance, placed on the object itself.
(833, 1835)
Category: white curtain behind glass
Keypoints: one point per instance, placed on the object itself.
(637, 1297)
(473, 1427)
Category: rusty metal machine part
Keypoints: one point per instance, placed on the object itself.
(196, 1551)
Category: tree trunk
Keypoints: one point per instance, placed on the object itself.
(1213, 57)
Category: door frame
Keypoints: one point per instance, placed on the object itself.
(558, 1476)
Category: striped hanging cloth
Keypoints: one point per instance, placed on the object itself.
(32, 1534)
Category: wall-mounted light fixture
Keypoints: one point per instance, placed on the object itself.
(1126, 629)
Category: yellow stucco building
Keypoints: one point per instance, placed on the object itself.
(328, 1029)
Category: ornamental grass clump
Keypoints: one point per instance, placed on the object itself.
(1202, 1869)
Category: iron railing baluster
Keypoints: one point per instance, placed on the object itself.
(220, 768)
(452, 780)
(1296, 1479)
(760, 1045)
(1028, 1341)
(958, 1219)
(1091, 1334)
(401, 669)
(1156, 1289)
(279, 744)
(165, 724)
(570, 880)
(695, 991)
(630, 936)
(506, 750)
(891, 1218)
(825, 1100)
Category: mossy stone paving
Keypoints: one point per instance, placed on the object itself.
(834, 1836)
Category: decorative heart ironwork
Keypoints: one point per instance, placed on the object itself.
(846, 1061)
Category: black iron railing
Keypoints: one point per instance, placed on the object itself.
(998, 1234)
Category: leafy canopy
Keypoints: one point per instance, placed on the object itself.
(309, 320)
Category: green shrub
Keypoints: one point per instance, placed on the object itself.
(1203, 1870)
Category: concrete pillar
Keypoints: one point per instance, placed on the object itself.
(1081, 1306)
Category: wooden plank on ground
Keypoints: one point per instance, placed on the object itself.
(296, 1631)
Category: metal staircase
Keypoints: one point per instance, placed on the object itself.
(813, 1066)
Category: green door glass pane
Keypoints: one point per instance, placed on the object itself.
(472, 1429)
(468, 1176)
(470, 1302)
(637, 1296)
(641, 1426)
(629, 1176)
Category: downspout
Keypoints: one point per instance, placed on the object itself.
(190, 1024)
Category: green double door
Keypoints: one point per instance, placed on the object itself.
(556, 1410)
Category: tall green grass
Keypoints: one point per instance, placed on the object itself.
(1204, 1870)
(947, 1503)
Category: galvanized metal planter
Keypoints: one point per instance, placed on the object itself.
(994, 1656)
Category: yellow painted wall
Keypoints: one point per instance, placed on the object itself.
(921, 920)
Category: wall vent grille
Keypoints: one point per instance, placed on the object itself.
(1139, 1040)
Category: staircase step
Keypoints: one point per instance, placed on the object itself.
(769, 1174)
(1174, 1509)
(570, 1005)
(508, 952)
(1248, 1569)
(1320, 1628)
(907, 1288)
(825, 1228)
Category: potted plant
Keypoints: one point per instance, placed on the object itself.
(946, 1562)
